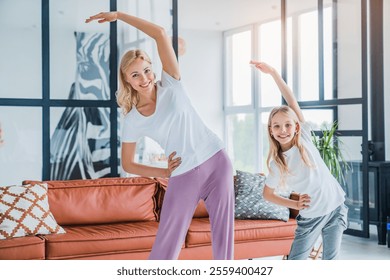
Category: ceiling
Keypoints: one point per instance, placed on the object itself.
(221, 15)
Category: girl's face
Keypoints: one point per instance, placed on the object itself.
(283, 129)
(140, 76)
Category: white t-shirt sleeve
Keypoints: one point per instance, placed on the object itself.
(306, 131)
(273, 177)
(128, 134)
(168, 81)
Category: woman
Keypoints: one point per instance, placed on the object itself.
(198, 165)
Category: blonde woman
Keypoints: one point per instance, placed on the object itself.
(295, 163)
(198, 165)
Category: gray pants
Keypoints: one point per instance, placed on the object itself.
(330, 226)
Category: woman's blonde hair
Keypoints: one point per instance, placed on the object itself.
(127, 96)
(275, 150)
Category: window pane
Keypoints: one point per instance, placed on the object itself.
(238, 78)
(290, 57)
(149, 152)
(386, 71)
(21, 54)
(130, 38)
(328, 50)
(80, 143)
(241, 141)
(351, 150)
(79, 52)
(318, 118)
(350, 117)
(20, 144)
(270, 52)
(349, 52)
(304, 28)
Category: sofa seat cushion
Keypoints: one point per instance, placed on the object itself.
(22, 248)
(199, 232)
(100, 240)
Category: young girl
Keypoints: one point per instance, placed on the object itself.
(295, 163)
(163, 112)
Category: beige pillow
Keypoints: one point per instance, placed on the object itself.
(24, 210)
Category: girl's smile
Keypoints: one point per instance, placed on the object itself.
(283, 130)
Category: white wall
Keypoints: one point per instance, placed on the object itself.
(386, 48)
(201, 69)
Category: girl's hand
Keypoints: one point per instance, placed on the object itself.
(303, 202)
(263, 67)
(103, 17)
(172, 164)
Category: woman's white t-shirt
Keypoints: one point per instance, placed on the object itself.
(317, 181)
(175, 125)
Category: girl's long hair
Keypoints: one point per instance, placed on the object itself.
(127, 96)
(275, 150)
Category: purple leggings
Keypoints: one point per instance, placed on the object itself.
(211, 181)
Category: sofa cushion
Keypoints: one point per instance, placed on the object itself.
(199, 232)
(200, 210)
(24, 210)
(22, 248)
(98, 240)
(250, 203)
(106, 200)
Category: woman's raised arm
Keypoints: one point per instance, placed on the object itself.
(163, 41)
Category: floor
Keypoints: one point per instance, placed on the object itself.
(358, 248)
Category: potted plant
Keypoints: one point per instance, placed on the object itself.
(328, 144)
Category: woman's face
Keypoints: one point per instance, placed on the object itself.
(140, 76)
(283, 129)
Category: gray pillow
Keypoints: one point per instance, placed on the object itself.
(250, 203)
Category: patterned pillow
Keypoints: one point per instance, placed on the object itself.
(250, 203)
(24, 210)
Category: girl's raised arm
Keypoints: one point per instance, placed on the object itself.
(163, 41)
(287, 93)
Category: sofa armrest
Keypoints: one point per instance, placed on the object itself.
(294, 212)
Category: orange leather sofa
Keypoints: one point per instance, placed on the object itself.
(117, 219)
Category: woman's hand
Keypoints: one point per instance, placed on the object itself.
(103, 17)
(172, 164)
(263, 67)
(303, 202)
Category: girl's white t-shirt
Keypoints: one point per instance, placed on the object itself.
(317, 181)
(175, 125)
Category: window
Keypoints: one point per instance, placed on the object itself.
(311, 70)
(250, 95)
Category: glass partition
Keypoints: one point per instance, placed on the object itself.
(79, 143)
(79, 52)
(20, 144)
(21, 44)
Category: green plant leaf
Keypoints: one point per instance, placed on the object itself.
(328, 145)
